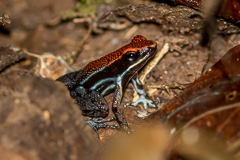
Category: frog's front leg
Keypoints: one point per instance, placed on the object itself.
(116, 107)
(142, 94)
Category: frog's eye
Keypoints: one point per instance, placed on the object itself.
(131, 56)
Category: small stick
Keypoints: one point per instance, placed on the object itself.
(154, 62)
(72, 57)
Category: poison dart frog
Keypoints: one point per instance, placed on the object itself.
(111, 73)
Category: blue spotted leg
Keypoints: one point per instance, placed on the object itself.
(99, 123)
(142, 95)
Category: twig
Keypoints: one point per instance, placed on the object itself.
(168, 86)
(73, 56)
(154, 62)
(43, 61)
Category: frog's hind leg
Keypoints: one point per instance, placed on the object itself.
(94, 105)
(99, 123)
(91, 103)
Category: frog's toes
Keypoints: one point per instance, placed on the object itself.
(144, 101)
(97, 123)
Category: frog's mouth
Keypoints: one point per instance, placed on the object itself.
(153, 49)
(152, 52)
(149, 51)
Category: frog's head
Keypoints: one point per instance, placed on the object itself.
(133, 56)
(137, 53)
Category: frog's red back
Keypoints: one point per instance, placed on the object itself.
(138, 42)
